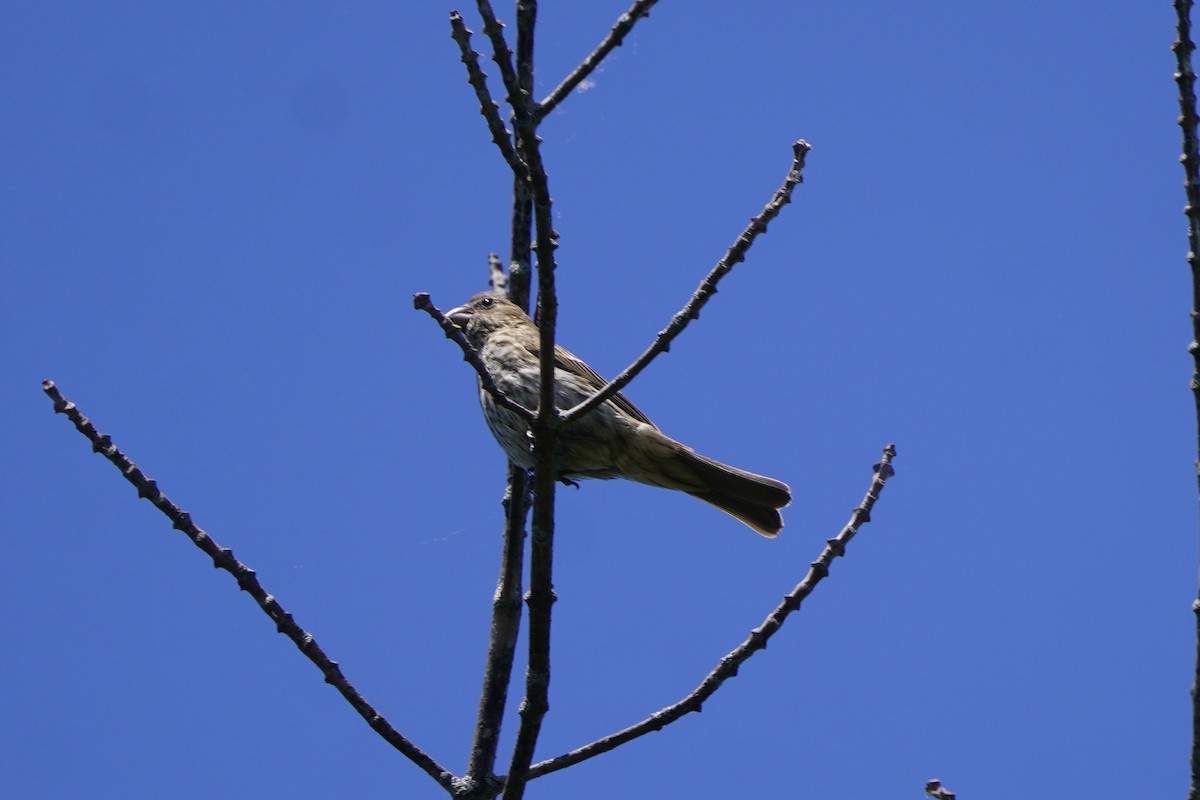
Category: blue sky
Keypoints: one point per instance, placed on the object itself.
(214, 220)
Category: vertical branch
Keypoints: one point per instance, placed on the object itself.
(502, 643)
(506, 605)
(1185, 77)
(545, 428)
(522, 200)
(520, 257)
(526, 19)
(518, 83)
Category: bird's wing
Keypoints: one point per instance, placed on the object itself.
(565, 360)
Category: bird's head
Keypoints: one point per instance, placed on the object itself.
(484, 313)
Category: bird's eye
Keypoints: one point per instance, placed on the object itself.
(487, 302)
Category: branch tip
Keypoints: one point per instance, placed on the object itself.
(708, 287)
(422, 302)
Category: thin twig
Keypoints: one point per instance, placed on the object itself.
(421, 302)
(729, 665)
(488, 107)
(247, 581)
(501, 54)
(708, 287)
(614, 39)
(1185, 77)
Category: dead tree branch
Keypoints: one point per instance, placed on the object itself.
(1185, 77)
(707, 288)
(613, 40)
(421, 302)
(488, 107)
(247, 581)
(729, 665)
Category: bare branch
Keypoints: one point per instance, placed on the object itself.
(488, 107)
(506, 617)
(521, 249)
(545, 427)
(614, 39)
(531, 198)
(502, 644)
(502, 55)
(708, 287)
(729, 665)
(540, 601)
(247, 581)
(1185, 77)
(526, 22)
(421, 302)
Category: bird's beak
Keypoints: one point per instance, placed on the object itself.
(459, 316)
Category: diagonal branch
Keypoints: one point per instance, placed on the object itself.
(708, 287)
(614, 39)
(488, 107)
(502, 55)
(247, 581)
(421, 302)
(728, 666)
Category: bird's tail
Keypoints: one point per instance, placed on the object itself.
(753, 499)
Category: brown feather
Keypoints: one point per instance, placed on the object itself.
(614, 440)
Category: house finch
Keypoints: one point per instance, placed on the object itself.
(615, 440)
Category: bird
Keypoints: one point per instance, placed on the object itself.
(614, 440)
